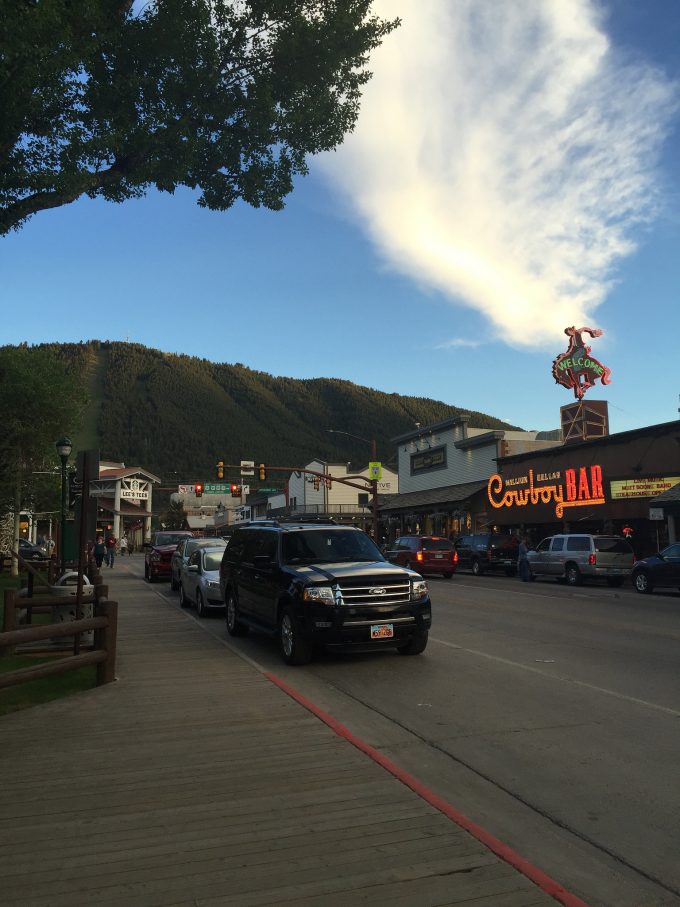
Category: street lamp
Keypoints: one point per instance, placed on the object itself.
(64, 448)
(374, 482)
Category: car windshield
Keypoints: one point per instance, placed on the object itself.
(315, 546)
(169, 538)
(213, 558)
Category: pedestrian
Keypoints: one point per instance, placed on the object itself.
(523, 561)
(50, 545)
(123, 545)
(110, 550)
(99, 550)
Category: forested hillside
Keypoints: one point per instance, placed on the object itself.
(177, 415)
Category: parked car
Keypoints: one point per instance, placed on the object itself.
(424, 553)
(321, 584)
(182, 553)
(31, 552)
(200, 578)
(661, 569)
(487, 551)
(159, 552)
(573, 558)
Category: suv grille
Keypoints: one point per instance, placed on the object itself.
(392, 593)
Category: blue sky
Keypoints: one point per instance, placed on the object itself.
(515, 170)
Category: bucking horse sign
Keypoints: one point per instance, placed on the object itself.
(576, 369)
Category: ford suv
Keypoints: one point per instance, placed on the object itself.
(573, 558)
(321, 585)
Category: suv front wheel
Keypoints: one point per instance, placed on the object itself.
(415, 645)
(476, 567)
(295, 650)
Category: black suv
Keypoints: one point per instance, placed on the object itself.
(487, 551)
(321, 584)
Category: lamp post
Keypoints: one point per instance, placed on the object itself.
(64, 448)
(374, 482)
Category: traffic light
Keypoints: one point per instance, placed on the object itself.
(198, 489)
(220, 470)
(263, 472)
(317, 483)
(235, 490)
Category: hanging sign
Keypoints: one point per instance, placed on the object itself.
(576, 369)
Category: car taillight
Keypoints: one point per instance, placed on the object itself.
(419, 556)
(592, 559)
(454, 557)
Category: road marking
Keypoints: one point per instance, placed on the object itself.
(562, 677)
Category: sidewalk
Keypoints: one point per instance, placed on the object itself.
(194, 780)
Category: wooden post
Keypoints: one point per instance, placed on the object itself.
(106, 639)
(9, 620)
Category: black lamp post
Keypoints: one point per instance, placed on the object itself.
(64, 448)
(374, 482)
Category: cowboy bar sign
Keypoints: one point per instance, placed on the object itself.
(577, 369)
(578, 487)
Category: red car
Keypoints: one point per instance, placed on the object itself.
(424, 554)
(159, 553)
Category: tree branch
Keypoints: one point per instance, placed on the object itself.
(14, 214)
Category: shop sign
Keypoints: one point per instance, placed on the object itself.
(656, 513)
(579, 487)
(433, 459)
(641, 488)
(577, 369)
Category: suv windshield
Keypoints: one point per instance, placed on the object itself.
(315, 546)
(213, 559)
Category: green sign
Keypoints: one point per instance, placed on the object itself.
(269, 490)
(216, 488)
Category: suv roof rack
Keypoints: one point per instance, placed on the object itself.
(288, 521)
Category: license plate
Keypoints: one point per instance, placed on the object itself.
(615, 570)
(439, 556)
(382, 631)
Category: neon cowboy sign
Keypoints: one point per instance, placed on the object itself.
(579, 487)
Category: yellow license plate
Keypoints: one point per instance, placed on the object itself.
(382, 631)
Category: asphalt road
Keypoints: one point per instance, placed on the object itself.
(549, 715)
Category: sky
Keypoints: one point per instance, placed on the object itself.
(515, 170)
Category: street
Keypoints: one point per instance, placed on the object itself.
(548, 715)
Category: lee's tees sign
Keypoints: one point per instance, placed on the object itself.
(576, 369)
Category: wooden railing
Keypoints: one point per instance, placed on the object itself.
(104, 623)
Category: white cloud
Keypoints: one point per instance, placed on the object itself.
(504, 155)
(457, 342)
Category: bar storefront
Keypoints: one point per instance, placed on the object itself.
(601, 485)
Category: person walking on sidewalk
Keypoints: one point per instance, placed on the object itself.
(110, 550)
(99, 550)
(123, 545)
(523, 561)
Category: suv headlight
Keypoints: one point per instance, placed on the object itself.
(419, 590)
(213, 584)
(323, 594)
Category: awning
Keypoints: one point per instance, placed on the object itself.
(672, 496)
(432, 497)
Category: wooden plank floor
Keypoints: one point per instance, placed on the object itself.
(194, 781)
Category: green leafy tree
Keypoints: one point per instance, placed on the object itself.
(41, 400)
(224, 96)
(175, 516)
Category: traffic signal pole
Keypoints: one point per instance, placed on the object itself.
(368, 484)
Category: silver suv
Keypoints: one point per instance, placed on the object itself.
(573, 558)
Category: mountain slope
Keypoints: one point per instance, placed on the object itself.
(177, 415)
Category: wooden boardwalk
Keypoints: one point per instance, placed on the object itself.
(195, 781)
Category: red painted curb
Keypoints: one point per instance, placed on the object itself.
(535, 875)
